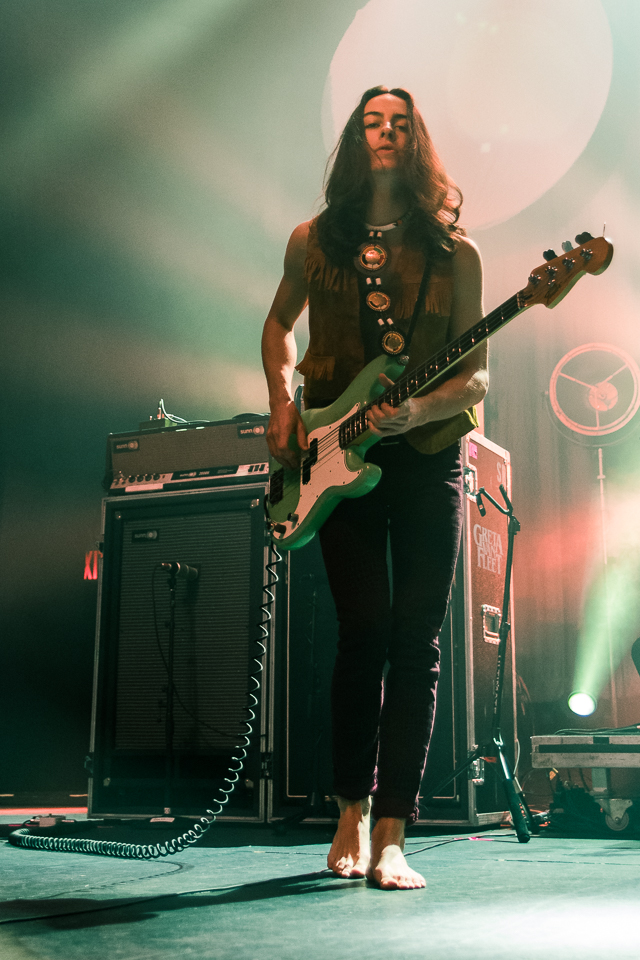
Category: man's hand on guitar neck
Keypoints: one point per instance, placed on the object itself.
(465, 388)
(286, 435)
(384, 420)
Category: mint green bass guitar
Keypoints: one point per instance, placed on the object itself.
(299, 501)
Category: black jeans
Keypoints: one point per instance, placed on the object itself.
(380, 742)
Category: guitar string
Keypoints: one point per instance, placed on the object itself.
(503, 314)
(327, 446)
(445, 358)
(489, 325)
(463, 345)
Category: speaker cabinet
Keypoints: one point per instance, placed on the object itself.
(468, 642)
(221, 533)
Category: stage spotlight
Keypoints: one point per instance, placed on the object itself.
(582, 703)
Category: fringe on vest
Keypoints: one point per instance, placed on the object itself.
(317, 269)
(438, 299)
(316, 368)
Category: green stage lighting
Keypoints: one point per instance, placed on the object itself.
(582, 703)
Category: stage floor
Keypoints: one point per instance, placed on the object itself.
(253, 896)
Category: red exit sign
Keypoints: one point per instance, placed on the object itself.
(91, 559)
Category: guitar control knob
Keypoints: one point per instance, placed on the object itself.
(549, 254)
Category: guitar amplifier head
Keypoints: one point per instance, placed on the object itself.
(180, 456)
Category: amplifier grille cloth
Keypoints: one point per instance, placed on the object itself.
(215, 626)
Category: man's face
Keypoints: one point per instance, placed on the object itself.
(386, 128)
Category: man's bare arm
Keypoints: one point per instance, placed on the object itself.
(279, 351)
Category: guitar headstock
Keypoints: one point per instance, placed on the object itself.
(551, 281)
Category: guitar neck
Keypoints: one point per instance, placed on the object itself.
(411, 383)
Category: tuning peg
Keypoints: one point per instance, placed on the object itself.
(567, 246)
(549, 254)
(583, 237)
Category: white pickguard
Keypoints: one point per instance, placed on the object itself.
(329, 472)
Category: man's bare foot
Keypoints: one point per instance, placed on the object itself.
(349, 854)
(388, 867)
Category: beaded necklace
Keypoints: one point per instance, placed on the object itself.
(390, 226)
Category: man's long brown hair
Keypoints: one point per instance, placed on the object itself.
(434, 198)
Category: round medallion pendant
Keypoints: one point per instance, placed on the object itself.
(372, 257)
(392, 342)
(378, 300)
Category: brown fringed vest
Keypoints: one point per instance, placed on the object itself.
(336, 351)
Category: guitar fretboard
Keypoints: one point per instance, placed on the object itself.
(436, 366)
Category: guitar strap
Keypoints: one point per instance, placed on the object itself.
(422, 291)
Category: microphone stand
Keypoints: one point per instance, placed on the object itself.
(493, 749)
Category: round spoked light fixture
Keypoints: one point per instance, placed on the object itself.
(595, 389)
